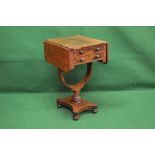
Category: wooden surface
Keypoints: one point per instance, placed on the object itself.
(67, 52)
(57, 56)
(75, 42)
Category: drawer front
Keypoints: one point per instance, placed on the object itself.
(90, 51)
(88, 58)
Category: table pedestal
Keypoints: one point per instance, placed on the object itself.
(75, 103)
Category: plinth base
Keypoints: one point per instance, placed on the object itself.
(76, 108)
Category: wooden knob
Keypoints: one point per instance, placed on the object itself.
(81, 52)
(81, 60)
(97, 56)
(97, 49)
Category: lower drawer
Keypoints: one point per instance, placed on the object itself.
(88, 58)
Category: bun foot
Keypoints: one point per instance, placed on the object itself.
(95, 110)
(59, 105)
(76, 116)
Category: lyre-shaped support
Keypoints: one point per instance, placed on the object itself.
(75, 103)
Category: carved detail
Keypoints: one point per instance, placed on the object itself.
(78, 86)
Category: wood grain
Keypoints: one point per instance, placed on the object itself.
(76, 42)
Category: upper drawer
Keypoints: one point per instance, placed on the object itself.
(90, 50)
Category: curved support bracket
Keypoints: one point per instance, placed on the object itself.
(78, 86)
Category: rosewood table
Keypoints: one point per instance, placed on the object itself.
(66, 53)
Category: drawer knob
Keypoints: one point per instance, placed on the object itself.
(97, 56)
(97, 49)
(81, 60)
(81, 52)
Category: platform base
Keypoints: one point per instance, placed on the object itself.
(76, 108)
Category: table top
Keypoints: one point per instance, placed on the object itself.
(76, 42)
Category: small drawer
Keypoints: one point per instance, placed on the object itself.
(90, 51)
(88, 58)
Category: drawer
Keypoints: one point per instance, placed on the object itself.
(90, 51)
(88, 58)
